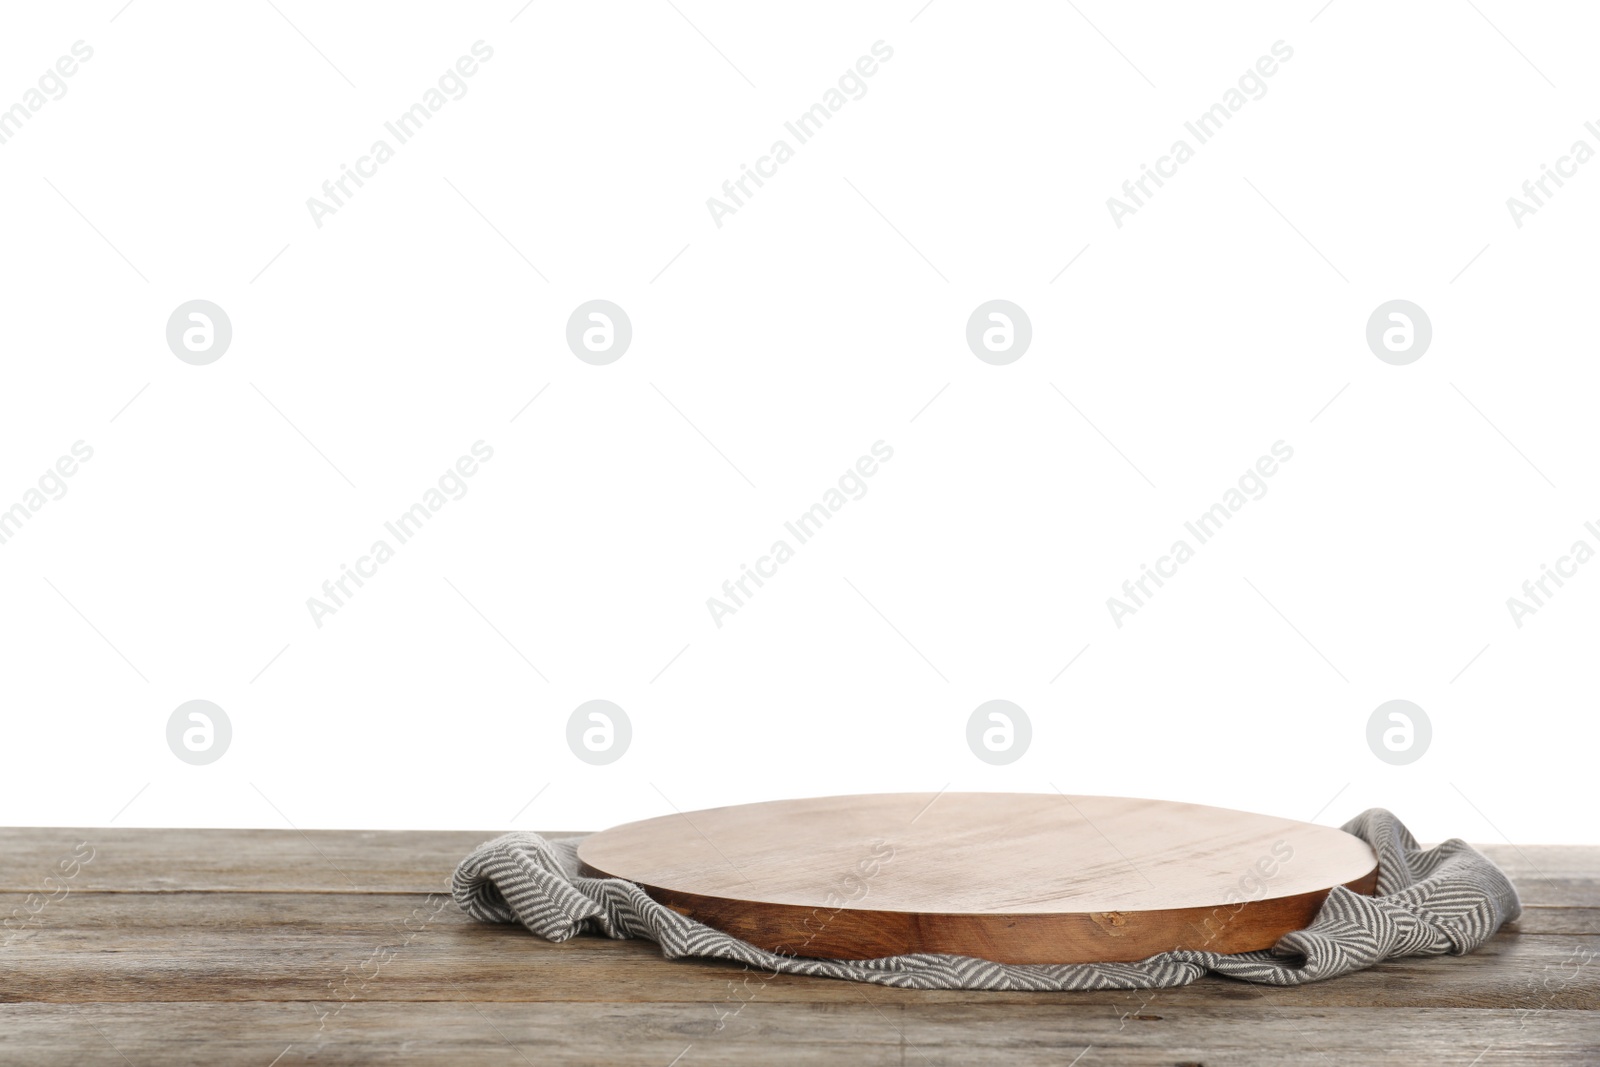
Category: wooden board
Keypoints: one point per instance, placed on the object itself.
(1011, 877)
(190, 947)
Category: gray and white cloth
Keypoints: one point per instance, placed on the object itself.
(1430, 902)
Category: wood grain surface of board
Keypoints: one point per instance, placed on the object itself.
(1011, 877)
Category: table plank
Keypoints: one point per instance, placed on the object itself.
(326, 861)
(863, 1032)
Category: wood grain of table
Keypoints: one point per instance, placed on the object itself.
(277, 948)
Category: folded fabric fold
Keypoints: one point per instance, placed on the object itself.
(1448, 899)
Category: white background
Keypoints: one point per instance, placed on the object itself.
(822, 317)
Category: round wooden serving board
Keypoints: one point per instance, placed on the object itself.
(1010, 877)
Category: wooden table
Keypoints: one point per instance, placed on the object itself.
(278, 947)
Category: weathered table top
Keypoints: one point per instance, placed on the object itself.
(279, 947)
